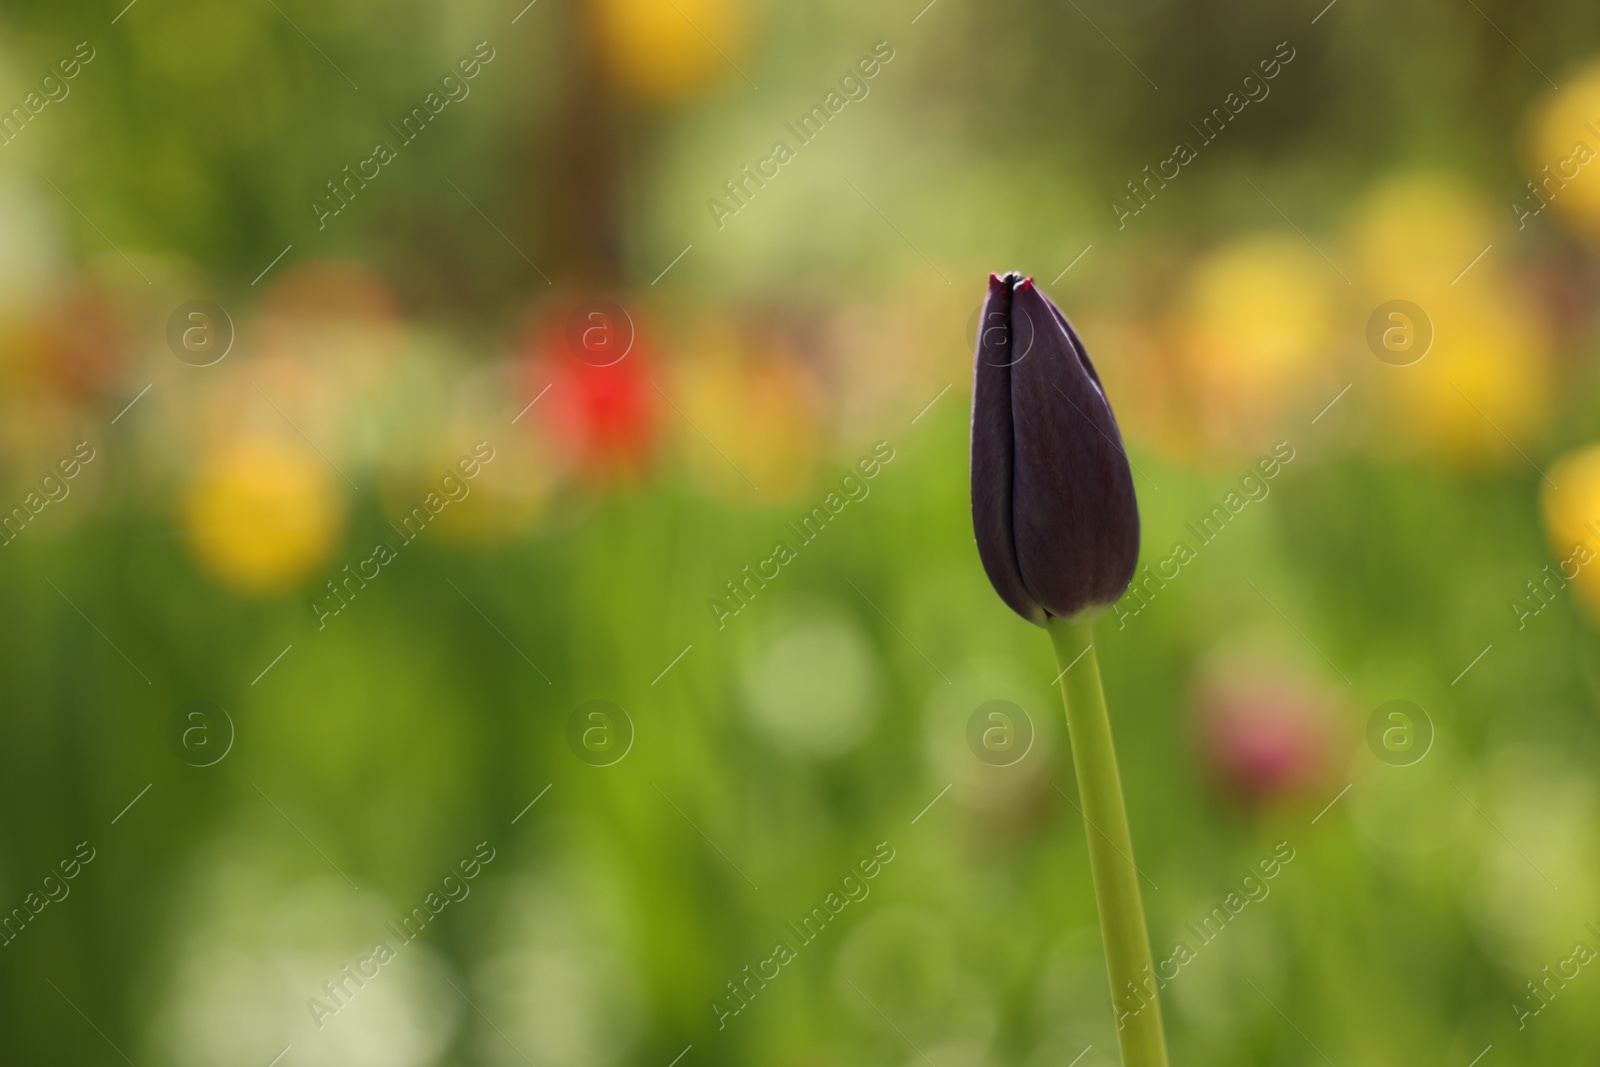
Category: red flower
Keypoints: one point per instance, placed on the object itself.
(591, 370)
(83, 339)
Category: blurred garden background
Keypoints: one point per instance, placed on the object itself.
(383, 384)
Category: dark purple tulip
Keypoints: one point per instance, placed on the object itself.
(1052, 495)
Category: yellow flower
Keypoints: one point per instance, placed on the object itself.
(1563, 155)
(1484, 381)
(761, 412)
(1254, 331)
(261, 515)
(502, 503)
(1482, 392)
(1572, 521)
(1413, 235)
(664, 51)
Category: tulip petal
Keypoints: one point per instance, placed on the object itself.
(1074, 513)
(992, 450)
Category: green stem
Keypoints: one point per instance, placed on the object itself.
(1116, 879)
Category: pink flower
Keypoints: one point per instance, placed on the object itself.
(1264, 731)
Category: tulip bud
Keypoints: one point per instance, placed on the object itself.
(1053, 505)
